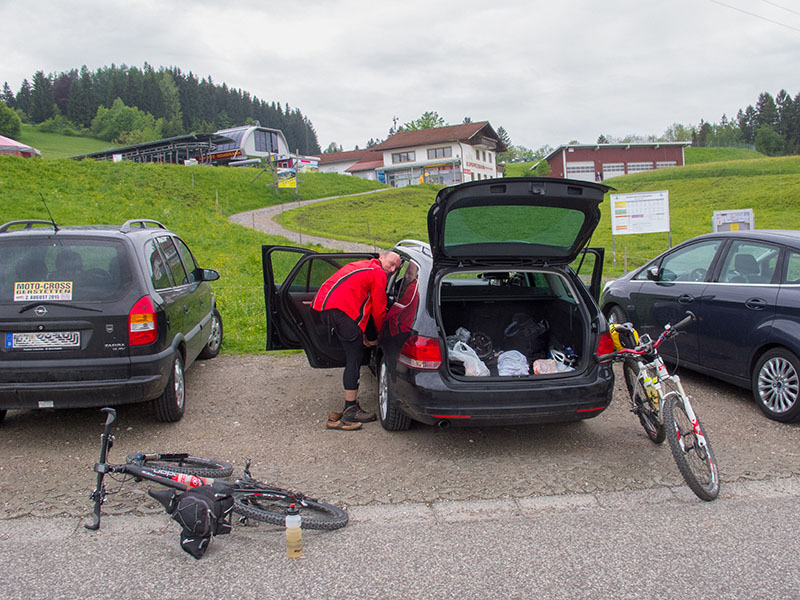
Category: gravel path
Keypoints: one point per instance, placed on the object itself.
(262, 220)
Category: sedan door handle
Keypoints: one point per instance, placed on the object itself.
(755, 303)
(685, 299)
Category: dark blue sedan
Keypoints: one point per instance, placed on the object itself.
(744, 287)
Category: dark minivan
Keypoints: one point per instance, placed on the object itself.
(496, 279)
(99, 315)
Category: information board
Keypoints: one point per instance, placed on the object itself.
(642, 212)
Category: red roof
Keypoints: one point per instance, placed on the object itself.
(329, 157)
(366, 165)
(436, 135)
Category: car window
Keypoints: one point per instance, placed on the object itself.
(188, 260)
(793, 268)
(408, 282)
(75, 269)
(690, 263)
(749, 262)
(158, 269)
(173, 259)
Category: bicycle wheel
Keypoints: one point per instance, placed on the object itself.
(182, 463)
(642, 404)
(269, 505)
(696, 463)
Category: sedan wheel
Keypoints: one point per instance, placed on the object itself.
(616, 315)
(776, 385)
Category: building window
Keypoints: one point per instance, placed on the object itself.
(666, 164)
(434, 153)
(401, 157)
(490, 157)
(637, 167)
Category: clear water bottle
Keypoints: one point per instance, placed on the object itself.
(294, 535)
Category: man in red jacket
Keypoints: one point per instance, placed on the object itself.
(347, 300)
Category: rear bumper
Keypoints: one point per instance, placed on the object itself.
(76, 384)
(427, 397)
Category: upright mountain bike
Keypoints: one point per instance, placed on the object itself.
(663, 406)
(252, 499)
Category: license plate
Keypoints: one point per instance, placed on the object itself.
(43, 340)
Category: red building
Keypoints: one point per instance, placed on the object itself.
(598, 162)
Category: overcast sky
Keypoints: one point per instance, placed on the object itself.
(548, 72)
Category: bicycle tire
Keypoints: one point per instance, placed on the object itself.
(697, 465)
(182, 463)
(642, 404)
(269, 505)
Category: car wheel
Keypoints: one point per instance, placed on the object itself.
(776, 385)
(211, 349)
(171, 404)
(616, 315)
(392, 418)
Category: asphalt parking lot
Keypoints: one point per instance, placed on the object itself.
(273, 408)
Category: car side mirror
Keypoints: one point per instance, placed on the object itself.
(209, 274)
(652, 273)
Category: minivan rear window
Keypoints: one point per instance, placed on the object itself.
(62, 270)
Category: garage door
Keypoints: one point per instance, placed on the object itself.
(581, 170)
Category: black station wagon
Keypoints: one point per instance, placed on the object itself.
(494, 283)
(100, 315)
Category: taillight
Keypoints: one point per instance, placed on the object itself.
(421, 352)
(142, 324)
(605, 344)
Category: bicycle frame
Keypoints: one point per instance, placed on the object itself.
(657, 366)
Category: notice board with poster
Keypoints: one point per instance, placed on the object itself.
(642, 212)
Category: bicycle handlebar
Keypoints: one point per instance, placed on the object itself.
(669, 331)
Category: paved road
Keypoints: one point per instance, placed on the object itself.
(662, 544)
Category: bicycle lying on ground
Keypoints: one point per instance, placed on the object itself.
(664, 408)
(252, 499)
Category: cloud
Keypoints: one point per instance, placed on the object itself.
(547, 72)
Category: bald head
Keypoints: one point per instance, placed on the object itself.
(390, 261)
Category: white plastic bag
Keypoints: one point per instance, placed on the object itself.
(473, 366)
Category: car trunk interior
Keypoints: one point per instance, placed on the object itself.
(531, 313)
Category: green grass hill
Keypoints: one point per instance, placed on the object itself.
(196, 201)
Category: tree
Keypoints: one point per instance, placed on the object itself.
(767, 112)
(504, 137)
(333, 147)
(42, 106)
(173, 117)
(428, 120)
(7, 95)
(747, 123)
(768, 141)
(602, 139)
(23, 99)
(677, 133)
(124, 124)
(10, 124)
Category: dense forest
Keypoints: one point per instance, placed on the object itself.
(130, 105)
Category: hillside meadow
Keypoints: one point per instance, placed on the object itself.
(770, 186)
(195, 202)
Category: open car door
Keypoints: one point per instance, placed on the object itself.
(589, 267)
(292, 277)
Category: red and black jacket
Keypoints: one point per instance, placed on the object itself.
(359, 290)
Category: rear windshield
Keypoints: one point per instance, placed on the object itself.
(500, 228)
(62, 270)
